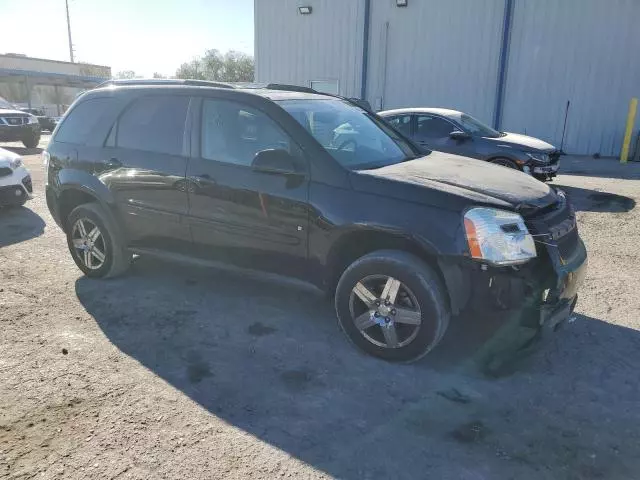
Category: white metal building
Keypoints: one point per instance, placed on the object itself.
(512, 63)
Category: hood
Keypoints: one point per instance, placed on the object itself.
(6, 156)
(469, 179)
(12, 111)
(522, 142)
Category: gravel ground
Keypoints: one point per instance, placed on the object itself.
(176, 372)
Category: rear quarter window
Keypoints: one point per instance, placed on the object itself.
(88, 123)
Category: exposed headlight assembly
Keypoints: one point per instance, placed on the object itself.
(498, 237)
(538, 157)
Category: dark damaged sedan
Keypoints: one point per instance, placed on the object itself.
(312, 186)
(456, 132)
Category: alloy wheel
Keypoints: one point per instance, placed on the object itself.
(88, 243)
(385, 311)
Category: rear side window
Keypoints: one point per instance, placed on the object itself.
(88, 122)
(401, 123)
(154, 124)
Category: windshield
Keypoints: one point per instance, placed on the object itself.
(476, 127)
(5, 104)
(354, 137)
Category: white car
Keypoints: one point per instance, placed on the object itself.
(15, 181)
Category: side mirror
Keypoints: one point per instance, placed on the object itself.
(276, 161)
(459, 136)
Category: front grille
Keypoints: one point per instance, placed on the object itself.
(5, 171)
(568, 243)
(26, 181)
(555, 227)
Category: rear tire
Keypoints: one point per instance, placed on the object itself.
(101, 254)
(32, 141)
(411, 325)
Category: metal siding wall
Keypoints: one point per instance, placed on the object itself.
(584, 51)
(440, 54)
(325, 45)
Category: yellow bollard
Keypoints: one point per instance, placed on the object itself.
(631, 117)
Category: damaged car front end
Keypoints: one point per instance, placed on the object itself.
(536, 294)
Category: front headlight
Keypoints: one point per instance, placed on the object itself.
(46, 158)
(498, 237)
(32, 119)
(15, 163)
(539, 157)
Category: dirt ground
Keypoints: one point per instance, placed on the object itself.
(173, 372)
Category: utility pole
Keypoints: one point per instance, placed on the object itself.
(69, 31)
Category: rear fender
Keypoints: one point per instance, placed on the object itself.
(73, 179)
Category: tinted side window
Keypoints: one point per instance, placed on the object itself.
(401, 123)
(433, 127)
(88, 122)
(234, 133)
(154, 124)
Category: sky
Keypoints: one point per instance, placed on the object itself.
(146, 36)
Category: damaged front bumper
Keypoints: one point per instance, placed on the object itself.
(520, 305)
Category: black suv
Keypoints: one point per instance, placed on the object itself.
(18, 126)
(312, 186)
(45, 121)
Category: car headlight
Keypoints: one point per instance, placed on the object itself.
(33, 119)
(15, 163)
(498, 237)
(539, 157)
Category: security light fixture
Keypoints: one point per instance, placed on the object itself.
(402, 3)
(304, 10)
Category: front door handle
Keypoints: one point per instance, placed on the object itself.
(202, 178)
(114, 163)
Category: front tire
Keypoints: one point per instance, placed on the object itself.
(505, 162)
(31, 141)
(392, 305)
(94, 243)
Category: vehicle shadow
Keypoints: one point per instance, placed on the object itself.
(18, 224)
(603, 168)
(587, 200)
(267, 357)
(23, 150)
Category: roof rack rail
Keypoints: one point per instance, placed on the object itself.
(291, 88)
(297, 88)
(165, 81)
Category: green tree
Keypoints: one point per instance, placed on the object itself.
(192, 69)
(126, 74)
(231, 67)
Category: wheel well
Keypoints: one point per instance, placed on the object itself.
(496, 157)
(358, 244)
(70, 199)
